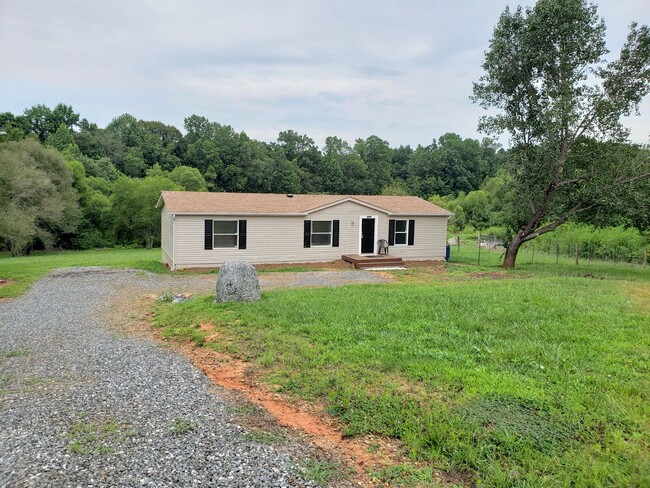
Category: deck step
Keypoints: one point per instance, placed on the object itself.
(373, 261)
(374, 264)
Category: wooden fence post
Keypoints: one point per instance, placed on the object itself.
(645, 256)
(557, 252)
(458, 242)
(479, 249)
(577, 253)
(532, 259)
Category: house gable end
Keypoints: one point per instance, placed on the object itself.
(345, 200)
(161, 201)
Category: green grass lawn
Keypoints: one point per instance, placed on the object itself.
(23, 271)
(538, 379)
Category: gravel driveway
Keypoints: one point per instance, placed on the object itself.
(82, 405)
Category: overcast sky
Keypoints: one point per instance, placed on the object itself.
(401, 70)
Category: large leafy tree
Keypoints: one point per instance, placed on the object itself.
(546, 74)
(135, 216)
(43, 121)
(304, 151)
(377, 155)
(37, 199)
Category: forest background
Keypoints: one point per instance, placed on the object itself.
(67, 183)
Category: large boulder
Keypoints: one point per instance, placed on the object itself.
(237, 282)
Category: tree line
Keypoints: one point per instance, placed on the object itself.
(96, 187)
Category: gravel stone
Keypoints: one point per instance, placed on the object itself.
(81, 405)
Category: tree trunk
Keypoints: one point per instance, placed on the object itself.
(511, 252)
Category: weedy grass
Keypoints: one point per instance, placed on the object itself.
(408, 475)
(181, 426)
(265, 437)
(321, 472)
(96, 437)
(541, 378)
(246, 409)
(14, 353)
(25, 270)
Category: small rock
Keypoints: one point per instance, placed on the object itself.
(183, 297)
(238, 282)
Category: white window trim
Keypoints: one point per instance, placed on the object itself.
(406, 233)
(236, 233)
(331, 234)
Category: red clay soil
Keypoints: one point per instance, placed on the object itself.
(4, 282)
(337, 265)
(234, 374)
(438, 266)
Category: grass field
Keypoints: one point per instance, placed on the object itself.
(545, 264)
(533, 377)
(23, 271)
(537, 377)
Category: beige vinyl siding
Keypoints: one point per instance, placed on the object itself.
(269, 240)
(279, 239)
(430, 239)
(167, 237)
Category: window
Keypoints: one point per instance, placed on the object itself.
(321, 233)
(401, 232)
(225, 233)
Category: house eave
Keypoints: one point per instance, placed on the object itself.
(403, 214)
(243, 214)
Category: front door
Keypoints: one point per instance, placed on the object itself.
(367, 236)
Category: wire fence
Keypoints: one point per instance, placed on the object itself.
(489, 249)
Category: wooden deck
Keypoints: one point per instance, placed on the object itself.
(373, 261)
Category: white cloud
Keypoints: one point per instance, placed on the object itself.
(400, 70)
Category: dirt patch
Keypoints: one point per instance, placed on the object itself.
(492, 275)
(640, 294)
(4, 282)
(337, 265)
(437, 266)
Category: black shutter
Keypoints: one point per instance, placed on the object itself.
(242, 234)
(391, 232)
(335, 233)
(411, 232)
(307, 241)
(208, 235)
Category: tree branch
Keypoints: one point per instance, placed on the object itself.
(554, 225)
(620, 181)
(570, 181)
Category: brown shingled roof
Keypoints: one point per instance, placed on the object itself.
(189, 202)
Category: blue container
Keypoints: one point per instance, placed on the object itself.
(447, 253)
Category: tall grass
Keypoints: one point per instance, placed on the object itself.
(532, 259)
